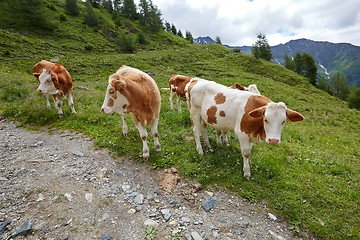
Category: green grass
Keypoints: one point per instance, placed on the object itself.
(311, 179)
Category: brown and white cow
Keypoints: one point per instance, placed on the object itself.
(251, 116)
(133, 91)
(177, 84)
(54, 79)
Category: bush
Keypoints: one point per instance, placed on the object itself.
(126, 44)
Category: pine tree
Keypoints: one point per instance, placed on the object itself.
(189, 37)
(261, 48)
(218, 40)
(90, 19)
(173, 29)
(71, 7)
(289, 63)
(340, 86)
(128, 9)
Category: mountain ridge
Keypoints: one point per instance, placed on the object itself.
(329, 57)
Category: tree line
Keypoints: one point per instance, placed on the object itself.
(304, 65)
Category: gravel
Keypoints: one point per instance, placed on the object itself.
(58, 186)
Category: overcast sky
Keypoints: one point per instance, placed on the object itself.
(237, 22)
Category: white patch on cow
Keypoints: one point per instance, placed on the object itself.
(274, 120)
(46, 85)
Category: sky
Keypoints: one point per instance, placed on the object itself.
(237, 22)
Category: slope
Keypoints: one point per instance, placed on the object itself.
(311, 179)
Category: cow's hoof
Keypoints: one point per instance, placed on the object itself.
(247, 177)
(211, 150)
(60, 115)
(157, 148)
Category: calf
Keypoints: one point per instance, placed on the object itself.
(251, 116)
(177, 84)
(133, 91)
(54, 79)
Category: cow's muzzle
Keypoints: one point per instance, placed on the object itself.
(274, 141)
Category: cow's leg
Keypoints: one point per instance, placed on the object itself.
(178, 103)
(245, 146)
(224, 135)
(218, 137)
(71, 103)
(204, 134)
(143, 135)
(172, 94)
(47, 103)
(124, 125)
(154, 132)
(196, 118)
(58, 104)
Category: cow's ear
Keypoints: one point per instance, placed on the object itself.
(54, 77)
(36, 75)
(238, 86)
(257, 112)
(294, 116)
(118, 84)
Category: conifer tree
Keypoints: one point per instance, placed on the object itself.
(71, 7)
(90, 19)
(261, 48)
(188, 36)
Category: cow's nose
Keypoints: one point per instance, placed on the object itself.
(274, 141)
(102, 110)
(39, 91)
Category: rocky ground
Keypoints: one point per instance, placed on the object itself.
(58, 186)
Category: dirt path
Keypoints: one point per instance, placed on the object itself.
(63, 188)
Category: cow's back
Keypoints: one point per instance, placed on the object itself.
(219, 106)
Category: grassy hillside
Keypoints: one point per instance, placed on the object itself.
(311, 179)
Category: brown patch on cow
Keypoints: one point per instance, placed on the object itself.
(143, 138)
(219, 98)
(211, 114)
(222, 114)
(254, 126)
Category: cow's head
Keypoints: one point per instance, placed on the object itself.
(114, 101)
(47, 81)
(274, 117)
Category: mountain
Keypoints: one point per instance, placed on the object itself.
(329, 57)
(204, 40)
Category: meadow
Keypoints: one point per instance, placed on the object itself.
(311, 179)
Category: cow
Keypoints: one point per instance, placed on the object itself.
(177, 84)
(251, 116)
(54, 79)
(132, 91)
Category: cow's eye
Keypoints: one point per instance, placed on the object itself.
(283, 123)
(266, 121)
(111, 91)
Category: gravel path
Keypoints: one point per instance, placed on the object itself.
(58, 186)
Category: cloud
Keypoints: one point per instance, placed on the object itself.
(237, 22)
